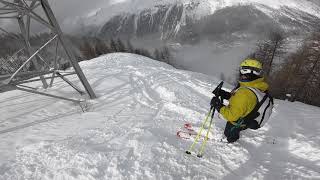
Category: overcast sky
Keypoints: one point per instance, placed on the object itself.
(73, 8)
(63, 10)
(70, 12)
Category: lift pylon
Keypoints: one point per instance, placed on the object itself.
(25, 13)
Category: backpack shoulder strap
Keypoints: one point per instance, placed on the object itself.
(255, 112)
(259, 102)
(270, 103)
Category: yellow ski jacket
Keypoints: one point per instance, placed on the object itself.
(243, 101)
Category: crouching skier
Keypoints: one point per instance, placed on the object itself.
(250, 104)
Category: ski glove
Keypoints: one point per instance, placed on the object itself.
(224, 94)
(215, 102)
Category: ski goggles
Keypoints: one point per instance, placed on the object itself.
(250, 70)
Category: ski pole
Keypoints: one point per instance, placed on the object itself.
(200, 154)
(216, 92)
(199, 133)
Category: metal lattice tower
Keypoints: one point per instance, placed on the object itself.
(23, 12)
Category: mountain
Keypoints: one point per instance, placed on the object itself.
(167, 20)
(129, 131)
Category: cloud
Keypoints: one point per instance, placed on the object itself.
(72, 8)
(64, 10)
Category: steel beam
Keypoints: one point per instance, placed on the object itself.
(70, 83)
(28, 48)
(69, 52)
(30, 58)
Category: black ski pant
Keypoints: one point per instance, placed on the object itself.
(232, 132)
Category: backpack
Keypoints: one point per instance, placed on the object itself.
(262, 111)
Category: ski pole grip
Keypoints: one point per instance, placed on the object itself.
(216, 91)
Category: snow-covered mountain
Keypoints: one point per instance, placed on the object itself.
(199, 8)
(129, 131)
(169, 19)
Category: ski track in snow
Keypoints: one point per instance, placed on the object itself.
(129, 131)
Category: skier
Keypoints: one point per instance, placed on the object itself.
(250, 104)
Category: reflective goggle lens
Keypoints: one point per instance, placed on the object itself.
(248, 71)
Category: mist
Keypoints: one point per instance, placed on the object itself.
(214, 59)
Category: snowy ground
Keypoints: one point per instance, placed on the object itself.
(129, 132)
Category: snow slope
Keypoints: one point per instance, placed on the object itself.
(129, 132)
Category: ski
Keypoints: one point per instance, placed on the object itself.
(188, 132)
(185, 134)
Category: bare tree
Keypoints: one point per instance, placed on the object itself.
(120, 46)
(156, 54)
(113, 46)
(165, 55)
(300, 74)
(130, 48)
(311, 67)
(101, 47)
(87, 50)
(270, 48)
